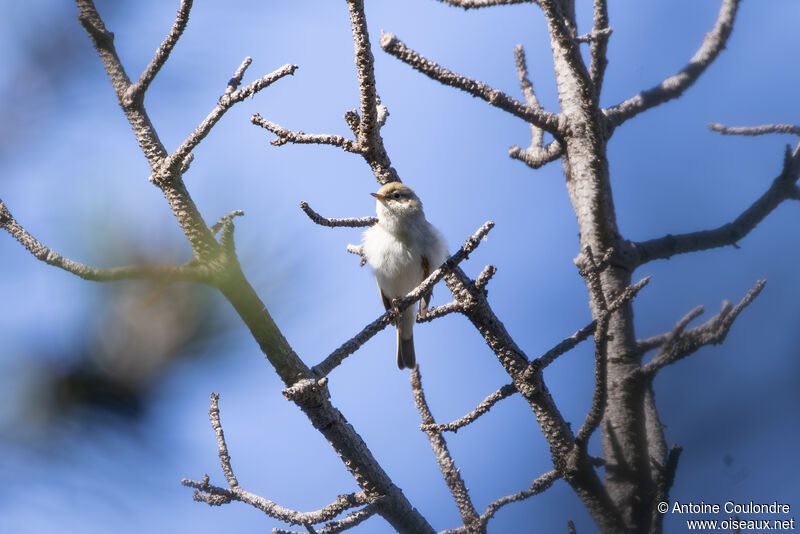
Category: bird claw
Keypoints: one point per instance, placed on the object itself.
(394, 311)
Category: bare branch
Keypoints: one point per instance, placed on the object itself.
(536, 157)
(566, 345)
(349, 521)
(351, 222)
(539, 485)
(783, 187)
(351, 345)
(755, 130)
(474, 4)
(226, 101)
(224, 457)
(302, 138)
(451, 474)
(373, 114)
(571, 527)
(483, 278)
(572, 341)
(535, 115)
(597, 409)
(225, 219)
(713, 43)
(669, 338)
(365, 63)
(483, 408)
(215, 495)
(137, 90)
(527, 91)
(439, 311)
(712, 332)
(236, 79)
(599, 46)
(188, 272)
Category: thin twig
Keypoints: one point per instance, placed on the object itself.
(351, 345)
(713, 43)
(783, 187)
(224, 456)
(474, 4)
(712, 332)
(351, 222)
(535, 115)
(137, 90)
(451, 474)
(302, 138)
(236, 79)
(483, 408)
(226, 101)
(755, 130)
(188, 272)
(352, 519)
(215, 495)
(599, 46)
(439, 311)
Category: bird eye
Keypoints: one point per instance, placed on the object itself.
(396, 195)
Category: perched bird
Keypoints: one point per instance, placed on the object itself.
(403, 249)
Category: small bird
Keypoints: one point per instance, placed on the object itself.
(403, 249)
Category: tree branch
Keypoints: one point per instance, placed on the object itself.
(373, 114)
(483, 408)
(136, 91)
(222, 447)
(755, 130)
(713, 43)
(474, 4)
(215, 496)
(352, 222)
(188, 272)
(599, 46)
(226, 102)
(535, 115)
(351, 345)
(238, 74)
(538, 486)
(680, 344)
(783, 187)
(536, 155)
(302, 138)
(351, 520)
(451, 474)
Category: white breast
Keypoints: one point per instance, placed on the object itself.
(397, 264)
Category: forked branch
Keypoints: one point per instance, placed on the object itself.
(536, 155)
(680, 343)
(216, 496)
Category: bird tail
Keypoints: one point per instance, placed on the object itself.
(406, 357)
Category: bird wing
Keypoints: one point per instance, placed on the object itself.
(426, 298)
(387, 303)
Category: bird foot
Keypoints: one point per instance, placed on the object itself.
(395, 312)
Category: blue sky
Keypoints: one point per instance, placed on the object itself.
(72, 174)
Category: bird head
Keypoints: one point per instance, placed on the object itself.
(396, 200)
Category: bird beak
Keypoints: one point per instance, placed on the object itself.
(378, 196)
